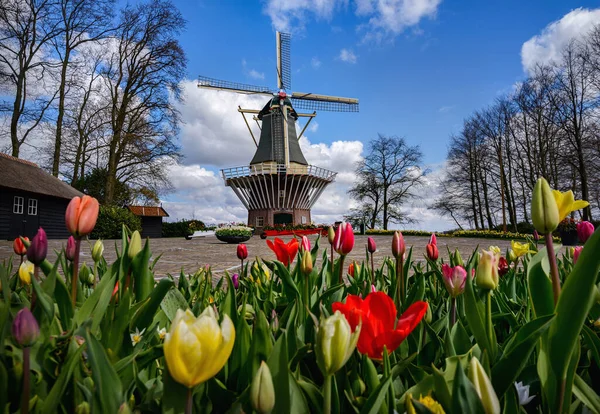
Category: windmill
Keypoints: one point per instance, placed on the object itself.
(279, 186)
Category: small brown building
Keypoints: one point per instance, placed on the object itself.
(151, 219)
(31, 198)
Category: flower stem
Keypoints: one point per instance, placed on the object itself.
(75, 275)
(553, 267)
(341, 273)
(488, 316)
(400, 294)
(387, 371)
(372, 271)
(327, 395)
(26, 380)
(452, 312)
(189, 401)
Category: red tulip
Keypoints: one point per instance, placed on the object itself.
(285, 252)
(371, 245)
(344, 239)
(242, 251)
(433, 239)
(398, 245)
(38, 249)
(585, 229)
(576, 252)
(432, 252)
(305, 244)
(18, 246)
(379, 325)
(502, 266)
(81, 215)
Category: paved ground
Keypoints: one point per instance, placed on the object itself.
(192, 254)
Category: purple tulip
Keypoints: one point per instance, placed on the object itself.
(38, 249)
(25, 328)
(536, 236)
(371, 246)
(236, 280)
(585, 229)
(70, 250)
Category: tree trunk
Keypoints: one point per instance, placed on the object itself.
(14, 121)
(61, 111)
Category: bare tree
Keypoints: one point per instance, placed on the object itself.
(387, 177)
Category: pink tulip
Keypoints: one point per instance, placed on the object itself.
(344, 239)
(305, 244)
(433, 239)
(371, 245)
(81, 215)
(576, 252)
(70, 249)
(398, 245)
(454, 279)
(585, 229)
(373, 289)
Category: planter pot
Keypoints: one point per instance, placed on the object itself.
(568, 237)
(233, 239)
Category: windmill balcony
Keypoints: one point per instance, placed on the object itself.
(272, 168)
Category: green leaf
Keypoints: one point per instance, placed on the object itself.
(63, 301)
(291, 290)
(52, 401)
(108, 394)
(464, 396)
(474, 317)
(539, 285)
(278, 365)
(42, 298)
(377, 397)
(593, 343)
(517, 352)
(573, 305)
(586, 394)
(172, 301)
(107, 283)
(143, 278)
(144, 316)
(229, 305)
(460, 338)
(174, 395)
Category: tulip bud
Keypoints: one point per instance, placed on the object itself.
(344, 239)
(331, 234)
(248, 311)
(81, 215)
(432, 252)
(124, 409)
(371, 246)
(428, 315)
(135, 245)
(38, 249)
(487, 271)
(85, 275)
(536, 236)
(25, 328)
(274, 321)
(502, 266)
(235, 279)
(305, 244)
(512, 257)
(25, 271)
(97, 251)
(306, 266)
(544, 210)
(19, 247)
(433, 239)
(484, 387)
(335, 343)
(242, 251)
(458, 260)
(83, 408)
(262, 391)
(398, 245)
(70, 249)
(576, 252)
(373, 289)
(585, 229)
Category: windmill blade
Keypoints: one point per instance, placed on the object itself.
(284, 62)
(211, 83)
(314, 102)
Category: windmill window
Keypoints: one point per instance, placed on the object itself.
(32, 207)
(303, 219)
(18, 205)
(260, 221)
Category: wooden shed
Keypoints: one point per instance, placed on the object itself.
(31, 198)
(151, 219)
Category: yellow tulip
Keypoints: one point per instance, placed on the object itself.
(483, 386)
(335, 343)
(544, 209)
(520, 249)
(495, 250)
(567, 204)
(25, 271)
(486, 275)
(196, 349)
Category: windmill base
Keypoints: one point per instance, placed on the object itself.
(271, 217)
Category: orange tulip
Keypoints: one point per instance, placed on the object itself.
(81, 215)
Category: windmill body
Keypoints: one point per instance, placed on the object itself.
(279, 186)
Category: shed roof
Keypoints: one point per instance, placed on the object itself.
(148, 211)
(25, 175)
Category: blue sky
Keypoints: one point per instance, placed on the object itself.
(419, 84)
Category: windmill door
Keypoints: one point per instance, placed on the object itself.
(282, 218)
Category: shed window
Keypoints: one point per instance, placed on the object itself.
(260, 221)
(32, 207)
(18, 205)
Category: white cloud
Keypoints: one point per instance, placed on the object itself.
(313, 127)
(291, 15)
(315, 62)
(348, 56)
(445, 109)
(547, 46)
(256, 74)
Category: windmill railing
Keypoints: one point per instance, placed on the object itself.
(265, 169)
